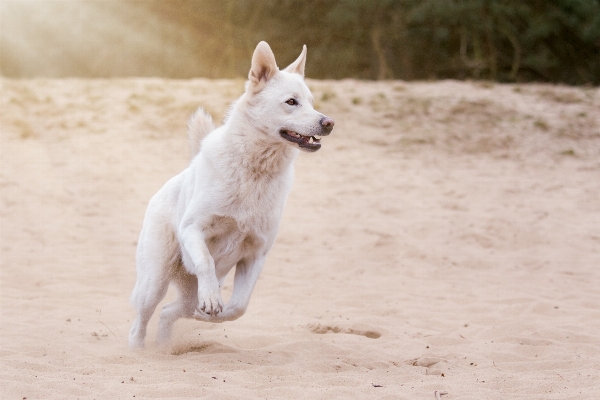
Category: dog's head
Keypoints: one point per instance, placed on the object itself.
(283, 103)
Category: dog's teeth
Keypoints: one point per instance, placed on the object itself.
(317, 137)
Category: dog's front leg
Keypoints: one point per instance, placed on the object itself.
(246, 275)
(198, 261)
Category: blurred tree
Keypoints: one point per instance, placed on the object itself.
(502, 40)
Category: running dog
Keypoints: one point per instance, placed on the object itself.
(223, 211)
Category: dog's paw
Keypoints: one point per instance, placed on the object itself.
(204, 317)
(209, 305)
(136, 343)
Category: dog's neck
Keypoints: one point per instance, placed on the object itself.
(256, 151)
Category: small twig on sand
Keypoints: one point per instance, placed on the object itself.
(107, 327)
(438, 394)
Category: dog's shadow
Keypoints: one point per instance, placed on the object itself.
(217, 352)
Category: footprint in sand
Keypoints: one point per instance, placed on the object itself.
(209, 347)
(322, 329)
(433, 365)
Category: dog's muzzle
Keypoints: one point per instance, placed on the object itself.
(309, 143)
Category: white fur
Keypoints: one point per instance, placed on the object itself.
(223, 211)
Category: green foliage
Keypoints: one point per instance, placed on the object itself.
(493, 40)
(502, 40)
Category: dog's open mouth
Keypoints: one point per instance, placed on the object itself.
(308, 143)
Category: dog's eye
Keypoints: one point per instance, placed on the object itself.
(292, 102)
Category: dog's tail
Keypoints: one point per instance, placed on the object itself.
(199, 125)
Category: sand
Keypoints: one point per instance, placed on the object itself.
(445, 238)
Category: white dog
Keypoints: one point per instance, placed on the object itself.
(224, 209)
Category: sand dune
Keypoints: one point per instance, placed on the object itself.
(446, 238)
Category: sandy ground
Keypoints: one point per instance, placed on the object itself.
(445, 238)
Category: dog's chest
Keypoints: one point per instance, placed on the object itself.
(227, 243)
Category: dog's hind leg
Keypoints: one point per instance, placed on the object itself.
(155, 260)
(183, 307)
(147, 296)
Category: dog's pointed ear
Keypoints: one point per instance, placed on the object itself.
(263, 66)
(297, 67)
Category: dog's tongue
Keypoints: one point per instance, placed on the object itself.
(301, 139)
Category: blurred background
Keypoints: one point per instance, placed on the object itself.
(500, 40)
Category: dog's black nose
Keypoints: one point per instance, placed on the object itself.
(327, 125)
